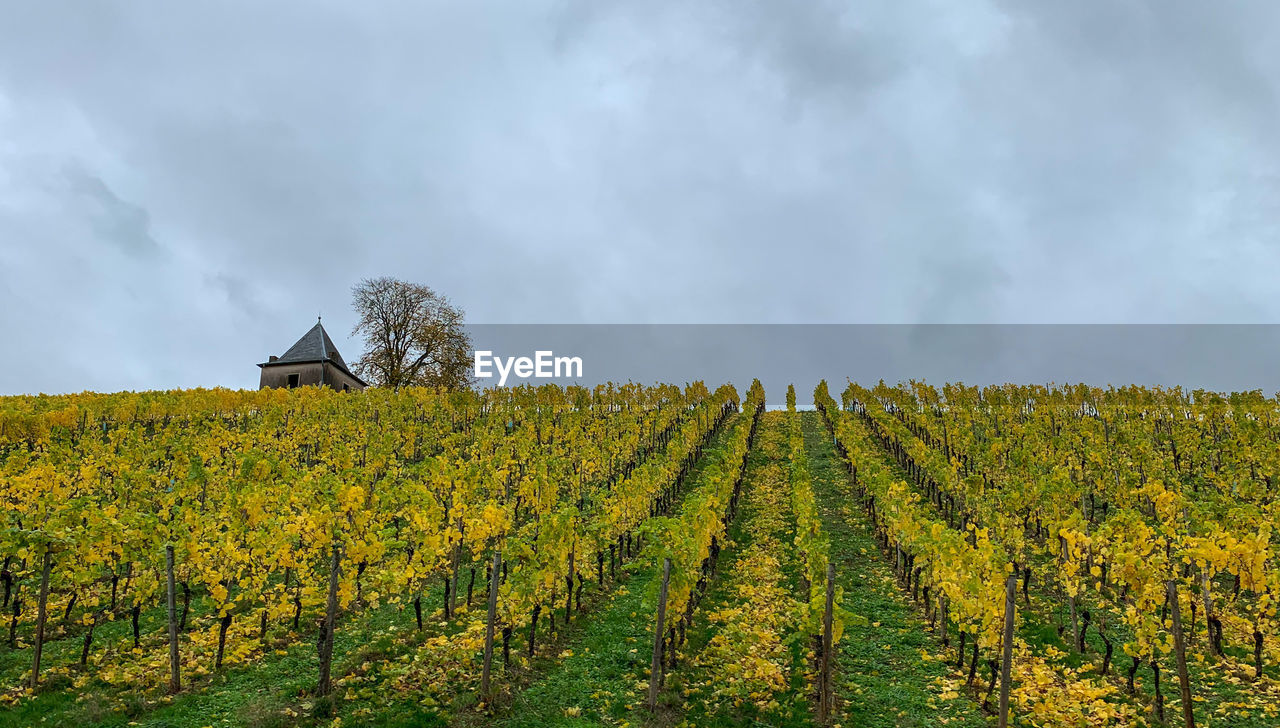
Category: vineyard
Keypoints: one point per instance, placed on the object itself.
(641, 556)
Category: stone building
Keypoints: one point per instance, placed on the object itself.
(313, 360)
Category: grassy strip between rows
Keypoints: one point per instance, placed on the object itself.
(891, 672)
(749, 662)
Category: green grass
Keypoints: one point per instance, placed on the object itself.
(887, 674)
(602, 678)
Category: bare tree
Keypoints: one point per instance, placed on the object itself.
(413, 336)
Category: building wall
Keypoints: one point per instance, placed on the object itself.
(336, 378)
(277, 376)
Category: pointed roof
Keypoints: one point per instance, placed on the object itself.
(315, 346)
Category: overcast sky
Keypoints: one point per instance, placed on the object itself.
(182, 190)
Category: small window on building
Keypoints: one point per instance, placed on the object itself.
(346, 388)
(293, 381)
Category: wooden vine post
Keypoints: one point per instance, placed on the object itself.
(1006, 661)
(175, 675)
(943, 610)
(1180, 650)
(825, 692)
(42, 614)
(568, 595)
(655, 668)
(489, 620)
(330, 615)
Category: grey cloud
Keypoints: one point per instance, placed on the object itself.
(993, 161)
(239, 292)
(119, 222)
